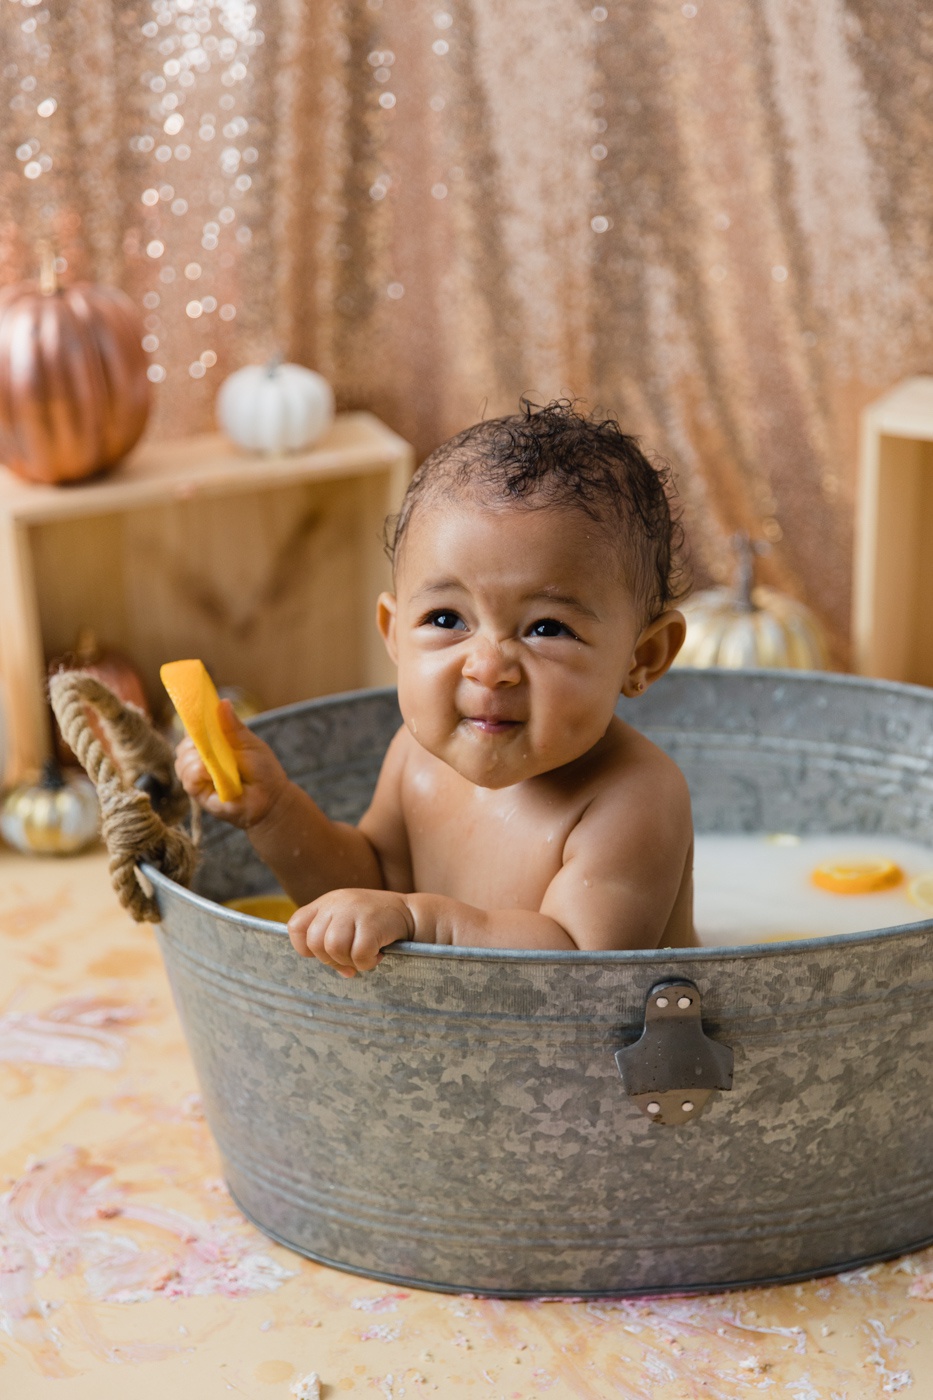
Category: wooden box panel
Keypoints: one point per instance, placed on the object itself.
(893, 585)
(268, 569)
(265, 587)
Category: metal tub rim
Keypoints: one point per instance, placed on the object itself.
(612, 957)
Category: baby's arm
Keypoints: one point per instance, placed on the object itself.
(308, 852)
(623, 868)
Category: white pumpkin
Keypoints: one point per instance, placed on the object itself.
(749, 626)
(275, 407)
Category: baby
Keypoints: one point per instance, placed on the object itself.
(533, 560)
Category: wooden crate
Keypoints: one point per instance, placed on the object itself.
(266, 567)
(892, 618)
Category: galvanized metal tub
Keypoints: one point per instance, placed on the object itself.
(456, 1120)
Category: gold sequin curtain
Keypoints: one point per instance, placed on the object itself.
(713, 218)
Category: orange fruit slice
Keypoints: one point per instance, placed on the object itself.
(920, 892)
(277, 907)
(195, 697)
(857, 876)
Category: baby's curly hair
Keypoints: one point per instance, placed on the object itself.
(551, 455)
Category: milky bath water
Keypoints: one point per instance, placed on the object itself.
(758, 887)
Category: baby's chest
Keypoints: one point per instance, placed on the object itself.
(488, 851)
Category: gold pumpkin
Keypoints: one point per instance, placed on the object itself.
(74, 393)
(751, 626)
(57, 816)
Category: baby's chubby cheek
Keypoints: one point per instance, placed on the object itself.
(427, 724)
(428, 705)
(444, 736)
(437, 734)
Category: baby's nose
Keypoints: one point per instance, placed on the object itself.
(491, 664)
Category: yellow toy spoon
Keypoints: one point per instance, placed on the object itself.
(195, 697)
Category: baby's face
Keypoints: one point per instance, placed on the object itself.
(514, 633)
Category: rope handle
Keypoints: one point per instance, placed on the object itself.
(141, 799)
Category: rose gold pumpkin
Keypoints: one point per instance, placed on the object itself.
(74, 396)
(110, 666)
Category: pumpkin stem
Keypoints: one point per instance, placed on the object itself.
(48, 278)
(273, 364)
(52, 777)
(745, 576)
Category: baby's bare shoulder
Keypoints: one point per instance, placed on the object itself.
(632, 758)
(638, 782)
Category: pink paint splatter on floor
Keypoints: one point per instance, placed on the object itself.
(385, 1302)
(382, 1332)
(399, 1385)
(67, 1214)
(922, 1287)
(712, 1345)
(74, 1034)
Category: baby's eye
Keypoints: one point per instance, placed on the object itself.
(549, 627)
(450, 621)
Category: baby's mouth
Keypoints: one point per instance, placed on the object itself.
(491, 724)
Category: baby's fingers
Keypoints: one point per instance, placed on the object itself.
(198, 784)
(315, 933)
(337, 944)
(185, 755)
(192, 773)
(298, 926)
(366, 949)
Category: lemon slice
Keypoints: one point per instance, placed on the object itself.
(277, 907)
(857, 876)
(920, 891)
(195, 697)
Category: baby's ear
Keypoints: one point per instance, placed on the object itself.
(386, 615)
(655, 651)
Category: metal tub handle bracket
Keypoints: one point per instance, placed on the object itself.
(673, 1070)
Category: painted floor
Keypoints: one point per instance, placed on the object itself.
(125, 1269)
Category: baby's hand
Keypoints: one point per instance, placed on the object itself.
(264, 778)
(347, 929)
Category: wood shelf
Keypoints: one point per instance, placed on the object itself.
(892, 615)
(266, 567)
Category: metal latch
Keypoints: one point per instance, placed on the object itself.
(674, 1068)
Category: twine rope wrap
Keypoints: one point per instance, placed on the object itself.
(134, 829)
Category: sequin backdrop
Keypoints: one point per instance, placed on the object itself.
(712, 218)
